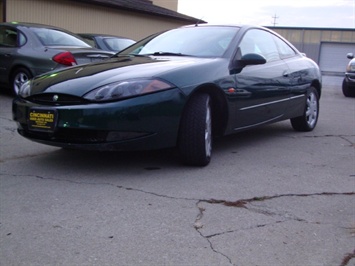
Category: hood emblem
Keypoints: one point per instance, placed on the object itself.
(55, 98)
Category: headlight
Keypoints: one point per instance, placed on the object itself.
(351, 67)
(125, 89)
(25, 89)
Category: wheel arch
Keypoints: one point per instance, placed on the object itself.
(16, 67)
(317, 85)
(218, 104)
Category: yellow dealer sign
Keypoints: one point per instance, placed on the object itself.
(40, 119)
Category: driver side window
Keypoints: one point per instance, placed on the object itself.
(259, 42)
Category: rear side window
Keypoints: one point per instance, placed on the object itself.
(21, 39)
(89, 40)
(8, 37)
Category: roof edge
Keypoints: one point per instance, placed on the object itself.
(308, 28)
(143, 7)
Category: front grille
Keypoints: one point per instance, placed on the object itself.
(81, 136)
(56, 99)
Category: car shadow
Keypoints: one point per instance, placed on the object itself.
(5, 91)
(107, 162)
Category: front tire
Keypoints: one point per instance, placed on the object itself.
(309, 119)
(20, 76)
(346, 90)
(195, 136)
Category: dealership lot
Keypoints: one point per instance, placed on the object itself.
(270, 196)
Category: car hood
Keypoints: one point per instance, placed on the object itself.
(180, 71)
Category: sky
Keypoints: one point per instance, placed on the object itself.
(288, 13)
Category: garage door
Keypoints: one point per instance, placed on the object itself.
(333, 57)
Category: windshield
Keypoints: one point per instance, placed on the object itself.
(193, 41)
(52, 37)
(117, 44)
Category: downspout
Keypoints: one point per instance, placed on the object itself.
(4, 11)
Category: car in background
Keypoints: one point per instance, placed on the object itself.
(349, 79)
(180, 88)
(27, 50)
(107, 42)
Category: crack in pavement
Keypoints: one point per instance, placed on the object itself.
(103, 184)
(245, 228)
(214, 250)
(242, 203)
(347, 258)
(343, 137)
(351, 144)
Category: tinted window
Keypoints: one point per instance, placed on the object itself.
(259, 42)
(89, 40)
(284, 49)
(116, 44)
(8, 37)
(21, 39)
(51, 37)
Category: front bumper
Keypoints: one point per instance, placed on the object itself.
(142, 123)
(350, 79)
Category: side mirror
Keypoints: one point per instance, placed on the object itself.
(350, 55)
(252, 59)
(248, 59)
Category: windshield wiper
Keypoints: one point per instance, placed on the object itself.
(130, 55)
(159, 53)
(169, 53)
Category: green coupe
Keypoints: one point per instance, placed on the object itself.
(180, 88)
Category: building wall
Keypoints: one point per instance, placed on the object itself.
(80, 17)
(309, 40)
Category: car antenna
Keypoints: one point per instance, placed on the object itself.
(198, 21)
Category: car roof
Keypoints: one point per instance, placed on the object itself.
(101, 35)
(32, 25)
(224, 25)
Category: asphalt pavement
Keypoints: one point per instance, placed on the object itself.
(270, 197)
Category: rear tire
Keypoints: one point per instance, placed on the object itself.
(195, 136)
(20, 76)
(309, 119)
